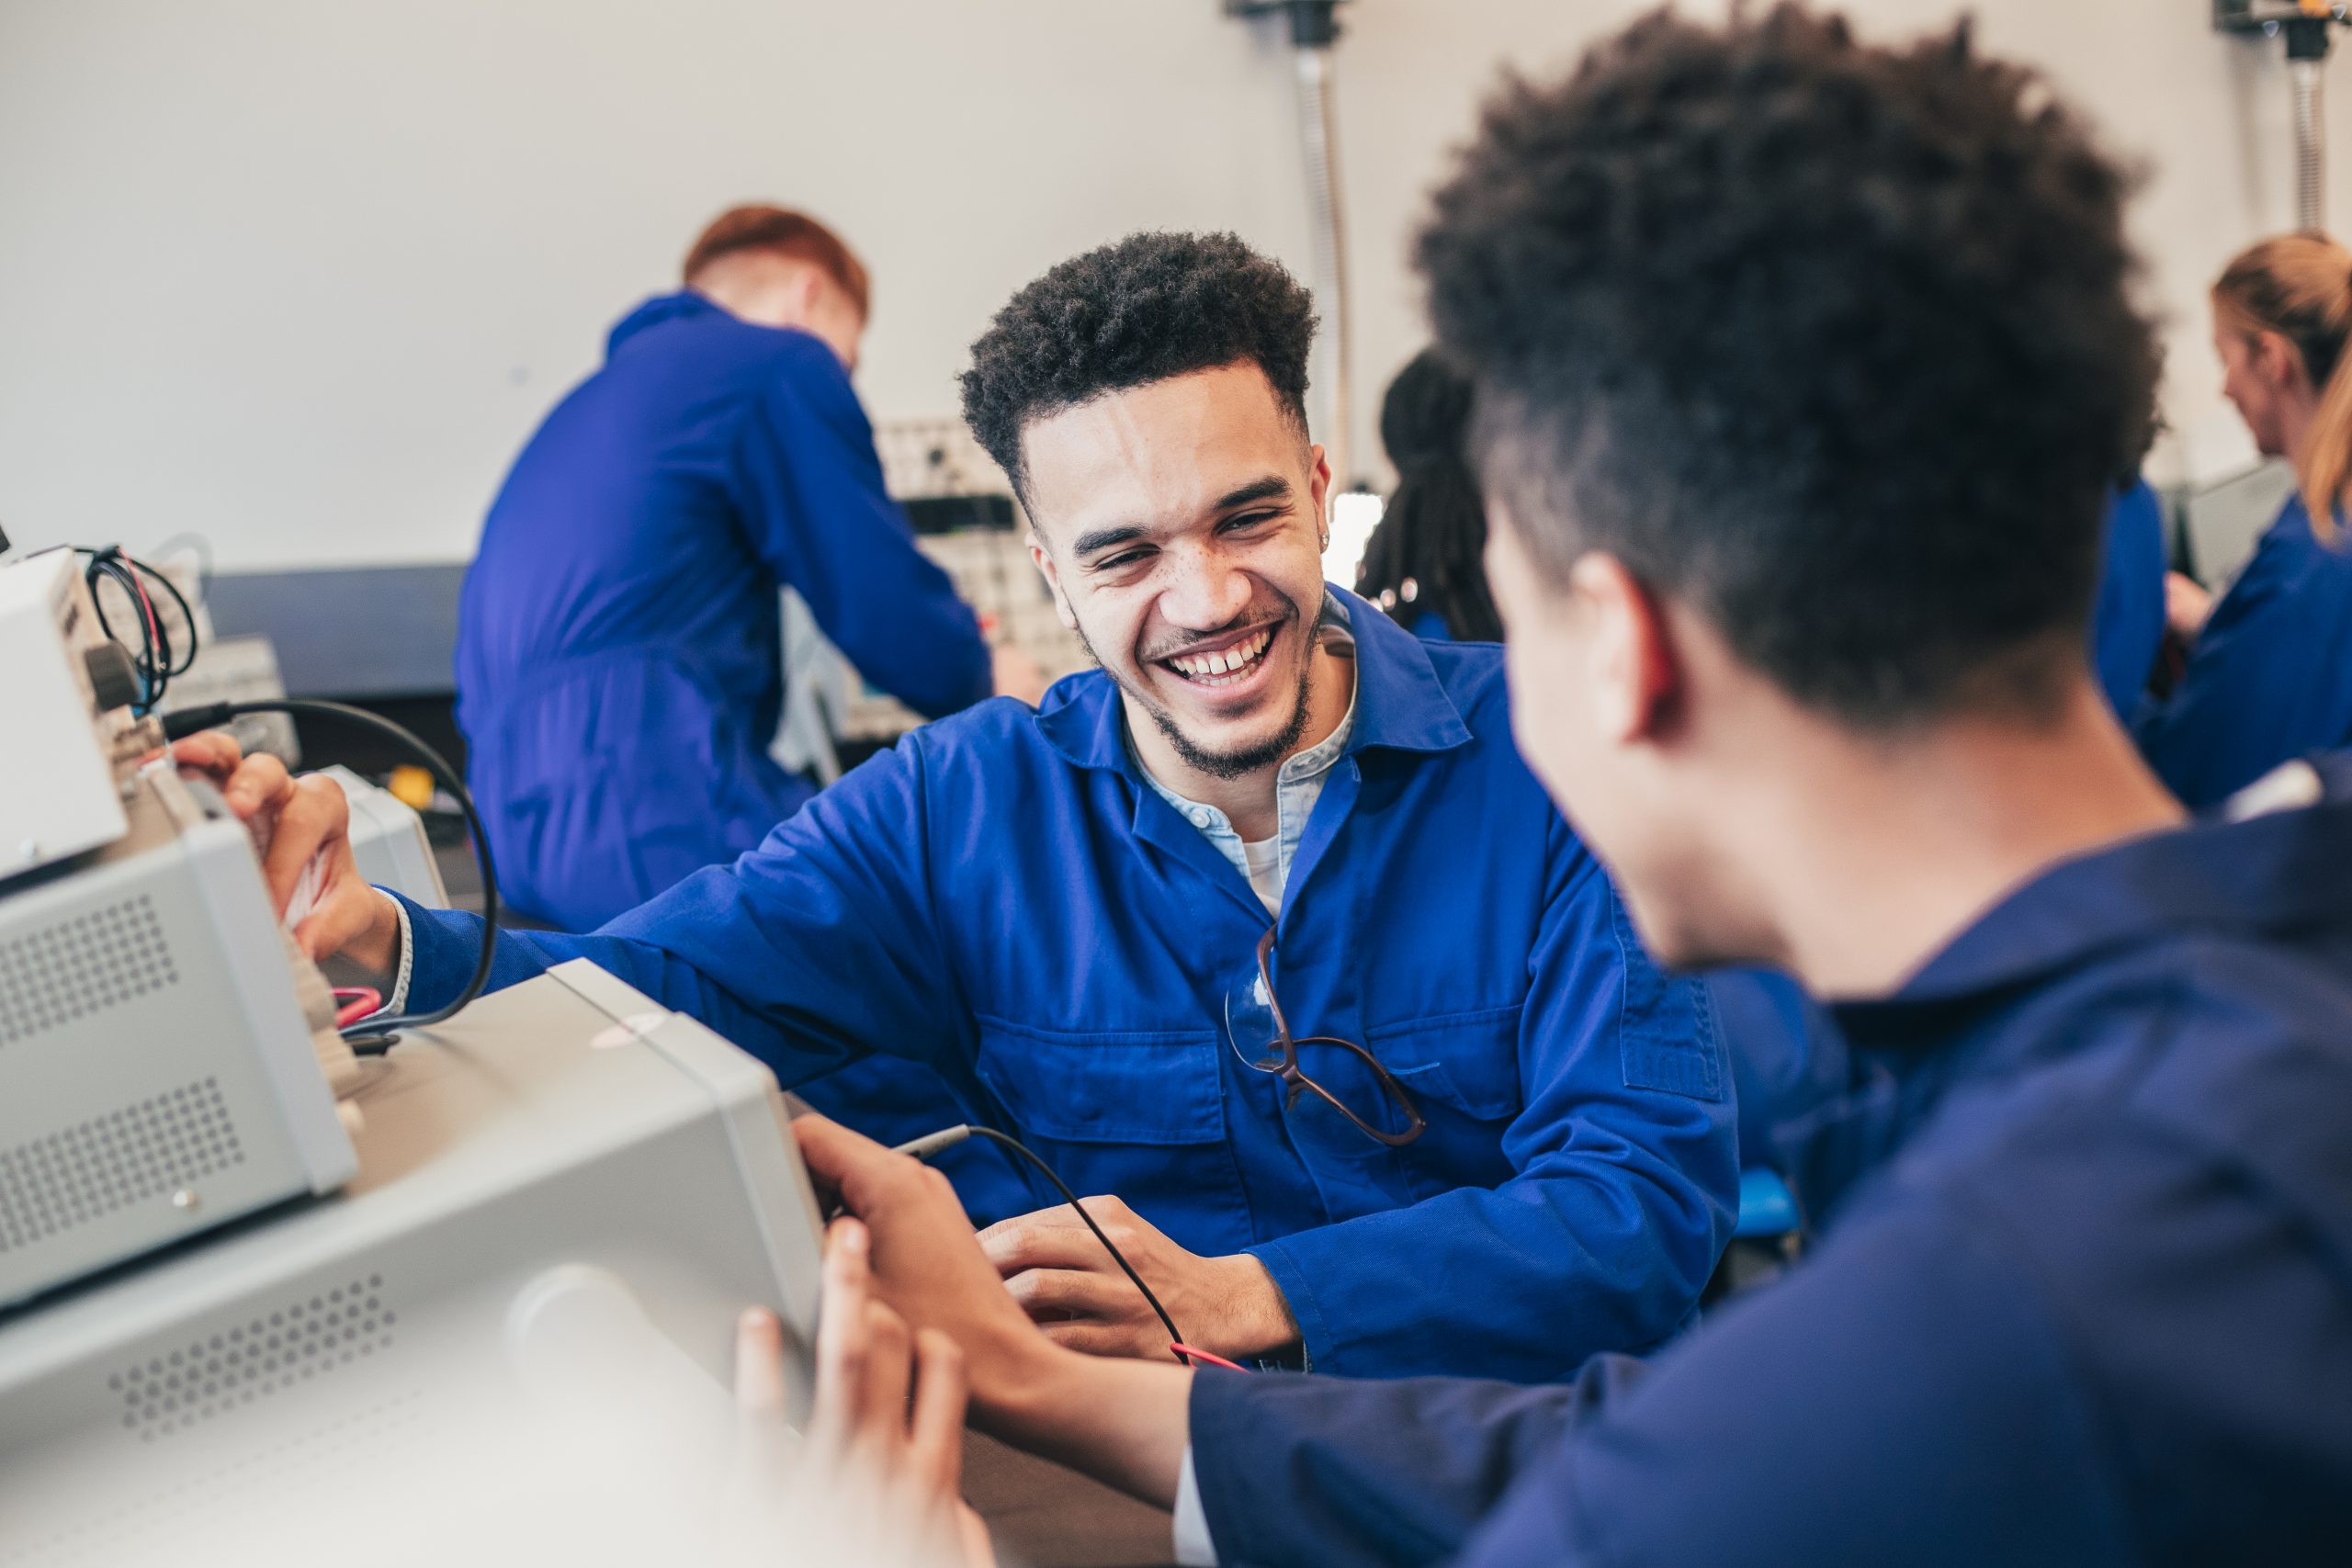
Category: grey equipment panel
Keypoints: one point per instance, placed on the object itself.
(158, 1073)
(564, 1171)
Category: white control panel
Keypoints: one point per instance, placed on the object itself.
(64, 704)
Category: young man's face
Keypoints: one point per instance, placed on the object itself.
(1545, 654)
(1180, 525)
(1580, 659)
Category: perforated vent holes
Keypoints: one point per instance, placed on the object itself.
(82, 965)
(216, 1374)
(146, 1149)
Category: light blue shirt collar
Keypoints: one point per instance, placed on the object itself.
(1298, 786)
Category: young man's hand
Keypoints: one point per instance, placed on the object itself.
(1125, 1422)
(1062, 1277)
(926, 1264)
(886, 1437)
(296, 821)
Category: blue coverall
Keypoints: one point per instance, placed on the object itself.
(2128, 621)
(2271, 676)
(1003, 897)
(619, 676)
(2083, 1297)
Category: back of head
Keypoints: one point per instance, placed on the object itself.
(1145, 309)
(2300, 286)
(756, 229)
(1832, 344)
(1426, 553)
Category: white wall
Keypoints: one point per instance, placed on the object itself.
(300, 275)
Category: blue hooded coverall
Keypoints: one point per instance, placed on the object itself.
(619, 676)
(2083, 1296)
(2271, 676)
(1004, 897)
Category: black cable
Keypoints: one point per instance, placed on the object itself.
(922, 1147)
(153, 658)
(372, 1037)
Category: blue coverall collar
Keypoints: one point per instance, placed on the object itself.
(2250, 878)
(662, 307)
(1400, 702)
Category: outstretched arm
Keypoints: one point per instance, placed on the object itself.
(807, 477)
(808, 952)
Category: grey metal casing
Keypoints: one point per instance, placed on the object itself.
(157, 1072)
(563, 1128)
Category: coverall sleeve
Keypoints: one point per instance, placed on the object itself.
(1625, 1186)
(2268, 680)
(815, 949)
(1906, 1400)
(809, 480)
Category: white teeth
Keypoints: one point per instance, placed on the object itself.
(1211, 668)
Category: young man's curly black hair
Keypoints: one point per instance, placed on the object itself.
(1833, 343)
(1147, 308)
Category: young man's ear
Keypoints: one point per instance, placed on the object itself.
(1044, 561)
(1319, 489)
(1630, 657)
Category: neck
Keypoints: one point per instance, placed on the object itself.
(2298, 413)
(1248, 799)
(761, 291)
(757, 306)
(1867, 859)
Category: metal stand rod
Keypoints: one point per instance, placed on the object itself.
(2311, 144)
(1318, 132)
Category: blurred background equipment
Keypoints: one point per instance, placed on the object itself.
(966, 521)
(2302, 27)
(1314, 27)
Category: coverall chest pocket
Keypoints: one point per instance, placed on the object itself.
(1466, 1061)
(1137, 1114)
(1145, 1087)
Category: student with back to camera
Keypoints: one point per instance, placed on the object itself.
(619, 670)
(2269, 672)
(2081, 1296)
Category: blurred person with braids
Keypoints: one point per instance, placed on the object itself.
(2269, 671)
(1423, 564)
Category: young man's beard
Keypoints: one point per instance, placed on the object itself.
(1228, 765)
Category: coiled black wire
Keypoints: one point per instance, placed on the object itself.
(153, 655)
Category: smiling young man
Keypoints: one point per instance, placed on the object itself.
(1468, 1126)
(1796, 587)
